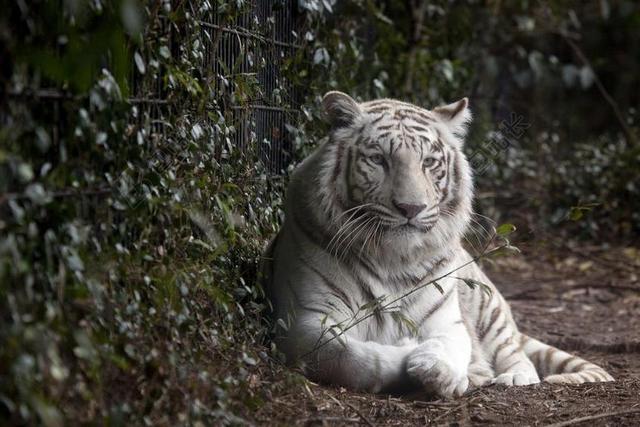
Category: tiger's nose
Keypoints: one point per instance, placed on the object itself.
(409, 210)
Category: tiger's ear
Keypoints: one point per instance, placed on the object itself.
(457, 116)
(340, 108)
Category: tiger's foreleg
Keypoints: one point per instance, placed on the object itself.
(344, 359)
(442, 360)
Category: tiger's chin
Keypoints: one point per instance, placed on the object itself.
(408, 229)
(408, 237)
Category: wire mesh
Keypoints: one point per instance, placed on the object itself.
(249, 48)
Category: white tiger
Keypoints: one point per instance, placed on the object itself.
(382, 204)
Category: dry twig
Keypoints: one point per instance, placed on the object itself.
(595, 417)
(360, 414)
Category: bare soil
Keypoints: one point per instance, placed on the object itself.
(584, 300)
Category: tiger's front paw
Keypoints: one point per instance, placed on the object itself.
(428, 364)
(516, 378)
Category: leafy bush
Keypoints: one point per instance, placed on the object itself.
(132, 226)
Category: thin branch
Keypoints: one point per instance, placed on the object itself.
(595, 417)
(55, 94)
(338, 420)
(387, 306)
(569, 39)
(360, 414)
(59, 194)
(246, 34)
(455, 409)
(603, 91)
(265, 107)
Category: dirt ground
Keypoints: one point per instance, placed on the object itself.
(585, 300)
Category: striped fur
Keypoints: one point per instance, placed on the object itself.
(382, 204)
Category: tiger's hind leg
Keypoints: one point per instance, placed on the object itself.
(500, 341)
(557, 366)
(512, 366)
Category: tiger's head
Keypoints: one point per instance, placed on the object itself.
(397, 170)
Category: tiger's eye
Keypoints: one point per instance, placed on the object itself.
(378, 159)
(428, 162)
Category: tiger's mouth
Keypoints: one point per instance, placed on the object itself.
(386, 221)
(409, 227)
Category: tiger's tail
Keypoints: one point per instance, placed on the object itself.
(557, 366)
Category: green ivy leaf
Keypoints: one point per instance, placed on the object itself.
(473, 284)
(504, 251)
(505, 229)
(373, 304)
(324, 319)
(575, 213)
(399, 317)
